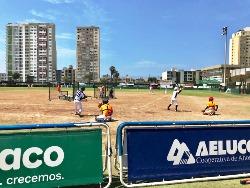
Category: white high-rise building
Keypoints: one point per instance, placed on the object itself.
(31, 51)
(239, 49)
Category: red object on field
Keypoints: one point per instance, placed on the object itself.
(58, 87)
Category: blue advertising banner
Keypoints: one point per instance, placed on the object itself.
(179, 153)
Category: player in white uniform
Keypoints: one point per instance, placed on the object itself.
(174, 98)
(80, 95)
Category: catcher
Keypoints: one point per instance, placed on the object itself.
(210, 108)
(106, 110)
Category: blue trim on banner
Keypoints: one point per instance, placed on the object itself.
(36, 126)
(169, 123)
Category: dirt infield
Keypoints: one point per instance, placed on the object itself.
(31, 105)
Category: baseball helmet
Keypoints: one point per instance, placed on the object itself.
(105, 100)
(210, 98)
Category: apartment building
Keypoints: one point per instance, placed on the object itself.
(3, 77)
(88, 54)
(174, 76)
(68, 75)
(239, 48)
(31, 51)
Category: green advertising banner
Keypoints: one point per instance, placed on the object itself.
(51, 159)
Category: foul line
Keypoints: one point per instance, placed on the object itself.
(159, 98)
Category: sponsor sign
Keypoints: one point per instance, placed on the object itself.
(51, 159)
(180, 153)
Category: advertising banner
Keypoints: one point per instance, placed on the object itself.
(180, 153)
(51, 159)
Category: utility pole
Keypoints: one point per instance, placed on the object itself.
(224, 32)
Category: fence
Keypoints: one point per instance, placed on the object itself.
(69, 154)
(157, 153)
(148, 153)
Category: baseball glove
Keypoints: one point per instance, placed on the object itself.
(99, 104)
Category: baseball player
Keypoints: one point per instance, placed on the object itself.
(211, 107)
(80, 95)
(58, 87)
(106, 110)
(176, 92)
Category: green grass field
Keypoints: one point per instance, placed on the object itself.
(187, 92)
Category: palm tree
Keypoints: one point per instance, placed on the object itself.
(116, 75)
(152, 79)
(66, 79)
(112, 71)
(16, 76)
(30, 79)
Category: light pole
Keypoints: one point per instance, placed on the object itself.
(224, 32)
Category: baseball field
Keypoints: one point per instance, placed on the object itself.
(22, 105)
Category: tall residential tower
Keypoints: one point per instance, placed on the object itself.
(239, 49)
(88, 54)
(31, 51)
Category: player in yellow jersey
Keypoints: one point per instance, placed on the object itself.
(106, 110)
(211, 107)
